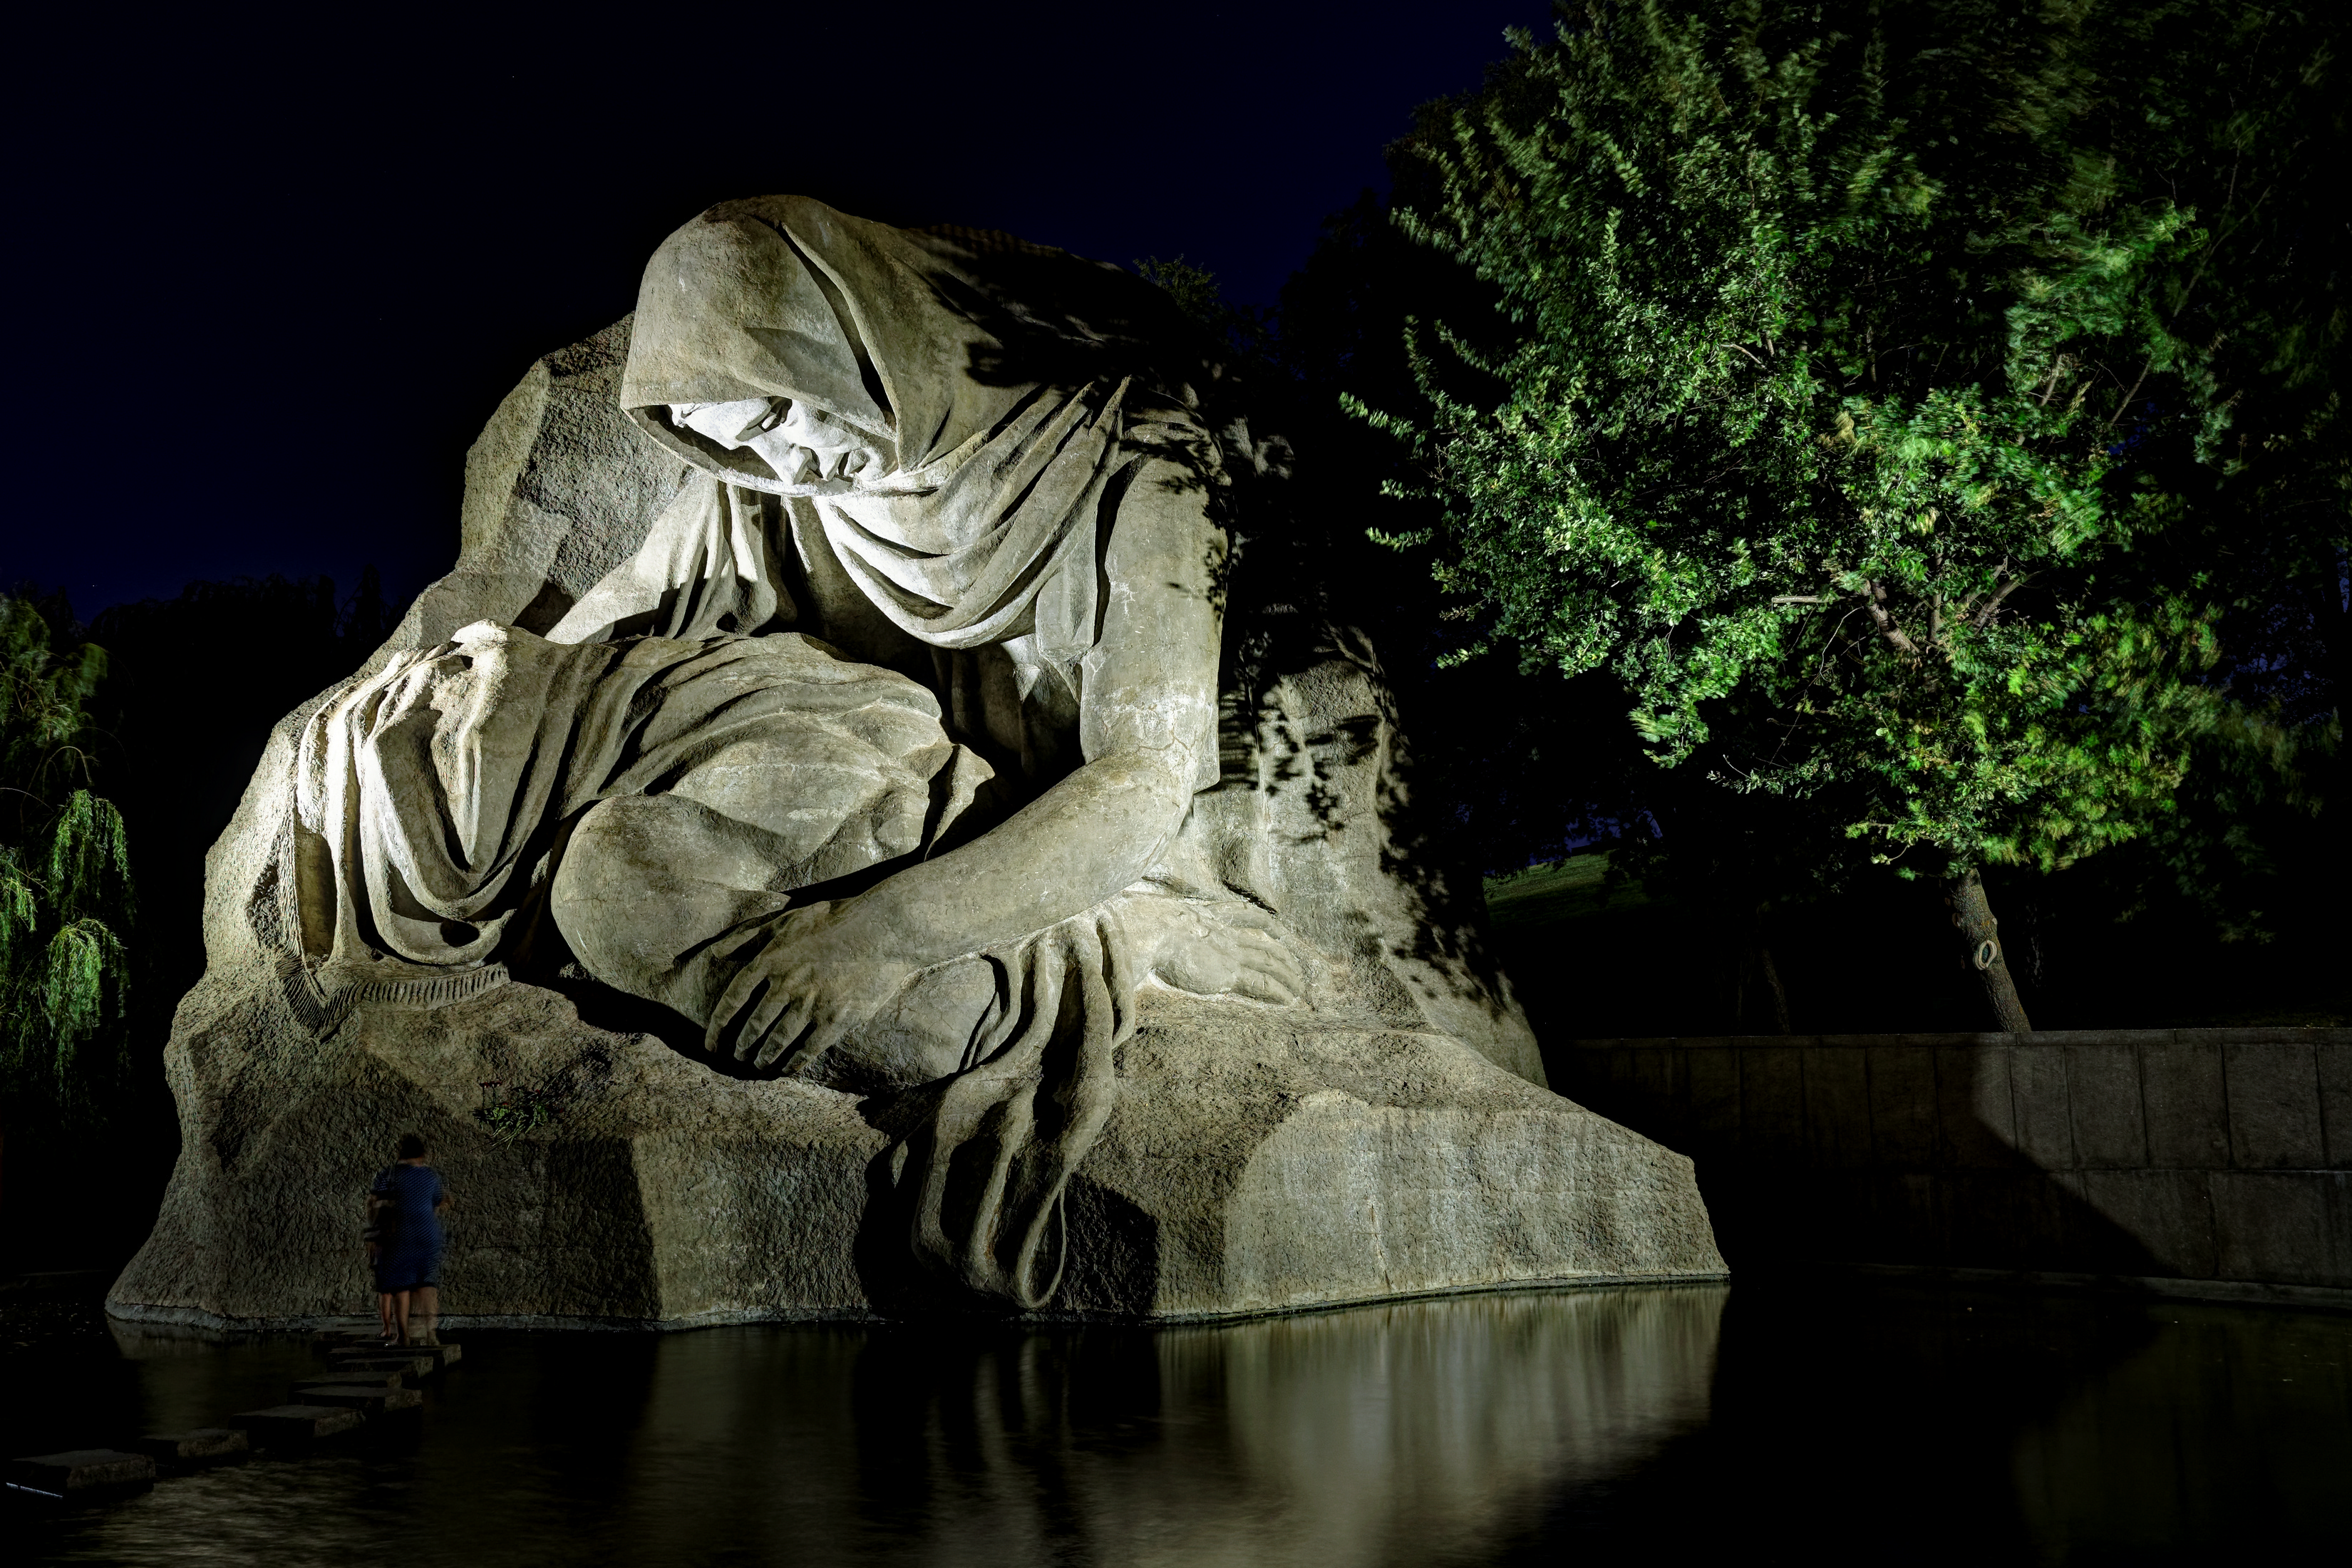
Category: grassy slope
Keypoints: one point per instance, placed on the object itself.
(1546, 895)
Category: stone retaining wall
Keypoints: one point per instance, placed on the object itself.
(2169, 1155)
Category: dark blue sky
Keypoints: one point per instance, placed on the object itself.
(273, 279)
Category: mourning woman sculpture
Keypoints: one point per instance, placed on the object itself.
(853, 691)
(941, 475)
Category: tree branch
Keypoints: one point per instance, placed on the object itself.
(1992, 605)
(1889, 633)
(2127, 403)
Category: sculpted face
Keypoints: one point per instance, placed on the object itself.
(803, 445)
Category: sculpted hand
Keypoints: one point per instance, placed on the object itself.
(823, 972)
(1232, 951)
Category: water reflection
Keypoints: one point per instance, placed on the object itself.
(1409, 1432)
(2130, 1460)
(1811, 1420)
(1422, 1432)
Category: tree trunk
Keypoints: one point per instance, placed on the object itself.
(1772, 978)
(1754, 964)
(1973, 915)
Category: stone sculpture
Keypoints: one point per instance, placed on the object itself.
(859, 689)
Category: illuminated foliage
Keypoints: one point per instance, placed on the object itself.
(64, 879)
(1872, 409)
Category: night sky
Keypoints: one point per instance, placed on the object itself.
(271, 281)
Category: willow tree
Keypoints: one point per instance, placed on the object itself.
(1838, 353)
(64, 879)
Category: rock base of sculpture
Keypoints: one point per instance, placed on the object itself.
(1256, 1161)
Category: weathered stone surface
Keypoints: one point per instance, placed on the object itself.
(1257, 1158)
(201, 1444)
(295, 1423)
(2273, 1099)
(559, 489)
(391, 1362)
(1373, 1123)
(366, 1375)
(2080, 1152)
(82, 1470)
(372, 1401)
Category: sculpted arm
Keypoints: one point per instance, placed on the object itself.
(1149, 700)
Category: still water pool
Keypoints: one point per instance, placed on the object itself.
(1846, 1422)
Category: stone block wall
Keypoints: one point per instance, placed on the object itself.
(2220, 1156)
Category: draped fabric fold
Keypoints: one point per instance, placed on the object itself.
(1005, 545)
(708, 566)
(438, 787)
(1007, 1134)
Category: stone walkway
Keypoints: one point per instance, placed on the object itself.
(366, 1380)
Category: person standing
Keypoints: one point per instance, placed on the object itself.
(377, 1237)
(405, 1202)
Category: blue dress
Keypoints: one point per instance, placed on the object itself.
(408, 1242)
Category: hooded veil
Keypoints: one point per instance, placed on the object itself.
(1013, 385)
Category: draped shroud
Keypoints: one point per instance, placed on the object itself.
(1017, 389)
(435, 790)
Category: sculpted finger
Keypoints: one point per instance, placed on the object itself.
(791, 1023)
(729, 1028)
(1288, 976)
(1280, 962)
(822, 1037)
(1270, 955)
(1255, 937)
(1260, 986)
(1263, 950)
(768, 1019)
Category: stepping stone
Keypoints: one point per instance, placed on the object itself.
(390, 1374)
(386, 1372)
(327, 1339)
(442, 1353)
(195, 1447)
(375, 1400)
(82, 1470)
(423, 1360)
(295, 1423)
(404, 1361)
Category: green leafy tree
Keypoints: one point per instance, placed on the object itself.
(1864, 412)
(64, 879)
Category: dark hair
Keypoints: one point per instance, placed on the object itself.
(411, 1147)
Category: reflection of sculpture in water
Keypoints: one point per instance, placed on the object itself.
(1445, 1431)
(944, 478)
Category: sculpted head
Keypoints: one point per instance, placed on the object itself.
(803, 443)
